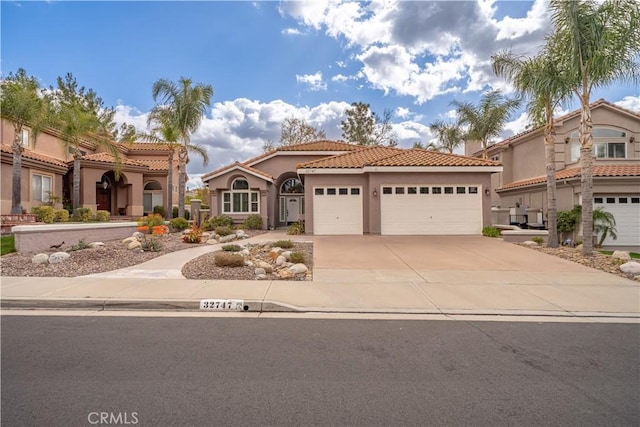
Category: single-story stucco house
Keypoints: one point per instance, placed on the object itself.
(341, 188)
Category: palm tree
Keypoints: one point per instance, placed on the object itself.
(594, 44)
(604, 222)
(24, 104)
(182, 107)
(81, 117)
(487, 119)
(450, 135)
(539, 80)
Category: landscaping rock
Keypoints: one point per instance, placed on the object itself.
(261, 277)
(280, 260)
(259, 271)
(267, 267)
(138, 235)
(632, 267)
(205, 236)
(96, 244)
(286, 254)
(229, 238)
(579, 248)
(212, 242)
(285, 274)
(240, 234)
(623, 255)
(58, 257)
(245, 252)
(529, 243)
(129, 240)
(275, 251)
(298, 268)
(40, 259)
(134, 245)
(248, 263)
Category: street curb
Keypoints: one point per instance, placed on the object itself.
(268, 306)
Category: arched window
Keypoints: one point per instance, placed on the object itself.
(152, 196)
(292, 186)
(607, 144)
(240, 199)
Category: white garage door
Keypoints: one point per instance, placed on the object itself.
(433, 209)
(337, 210)
(626, 211)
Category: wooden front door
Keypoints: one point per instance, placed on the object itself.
(103, 199)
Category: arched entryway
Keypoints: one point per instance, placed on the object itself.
(291, 200)
(152, 196)
(104, 192)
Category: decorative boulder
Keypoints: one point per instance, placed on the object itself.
(129, 240)
(58, 257)
(240, 234)
(229, 238)
(280, 260)
(267, 267)
(138, 235)
(96, 244)
(40, 259)
(623, 255)
(212, 242)
(286, 274)
(248, 263)
(134, 245)
(276, 250)
(298, 268)
(261, 277)
(259, 271)
(529, 243)
(286, 254)
(245, 252)
(630, 267)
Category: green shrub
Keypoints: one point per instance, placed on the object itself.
(151, 220)
(284, 244)
(103, 216)
(490, 232)
(296, 228)
(44, 213)
(297, 257)
(151, 243)
(232, 248)
(174, 212)
(224, 231)
(253, 222)
(8, 244)
(194, 235)
(220, 221)
(82, 215)
(179, 224)
(61, 215)
(82, 244)
(187, 215)
(539, 240)
(226, 259)
(158, 209)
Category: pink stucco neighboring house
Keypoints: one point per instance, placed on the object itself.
(341, 188)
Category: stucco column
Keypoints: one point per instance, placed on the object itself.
(195, 210)
(213, 203)
(264, 209)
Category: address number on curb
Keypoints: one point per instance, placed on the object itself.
(222, 304)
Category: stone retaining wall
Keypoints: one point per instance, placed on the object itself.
(38, 238)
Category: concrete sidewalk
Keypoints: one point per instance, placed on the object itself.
(523, 282)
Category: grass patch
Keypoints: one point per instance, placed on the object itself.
(634, 255)
(8, 245)
(284, 244)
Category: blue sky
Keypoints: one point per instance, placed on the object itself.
(271, 60)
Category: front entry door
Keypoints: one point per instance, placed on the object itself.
(103, 199)
(293, 209)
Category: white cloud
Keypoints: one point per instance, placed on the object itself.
(402, 112)
(630, 103)
(314, 81)
(340, 78)
(341, 64)
(291, 32)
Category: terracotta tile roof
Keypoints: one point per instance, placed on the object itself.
(148, 146)
(421, 157)
(28, 154)
(156, 165)
(108, 158)
(323, 145)
(234, 165)
(567, 116)
(600, 171)
(356, 159)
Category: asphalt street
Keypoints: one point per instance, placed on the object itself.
(77, 371)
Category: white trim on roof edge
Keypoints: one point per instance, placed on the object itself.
(238, 167)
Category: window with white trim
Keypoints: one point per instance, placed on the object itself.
(24, 137)
(240, 199)
(607, 144)
(40, 188)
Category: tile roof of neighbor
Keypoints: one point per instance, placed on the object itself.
(233, 165)
(322, 145)
(148, 146)
(35, 156)
(388, 156)
(567, 116)
(156, 165)
(108, 158)
(355, 159)
(600, 171)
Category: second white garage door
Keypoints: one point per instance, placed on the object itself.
(337, 210)
(626, 211)
(431, 210)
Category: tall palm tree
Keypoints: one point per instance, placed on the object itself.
(24, 104)
(487, 119)
(594, 44)
(539, 80)
(450, 135)
(81, 117)
(182, 106)
(162, 132)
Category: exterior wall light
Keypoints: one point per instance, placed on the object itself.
(375, 193)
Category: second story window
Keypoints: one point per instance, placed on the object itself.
(607, 144)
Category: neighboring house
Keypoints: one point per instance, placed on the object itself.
(521, 187)
(340, 188)
(46, 170)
